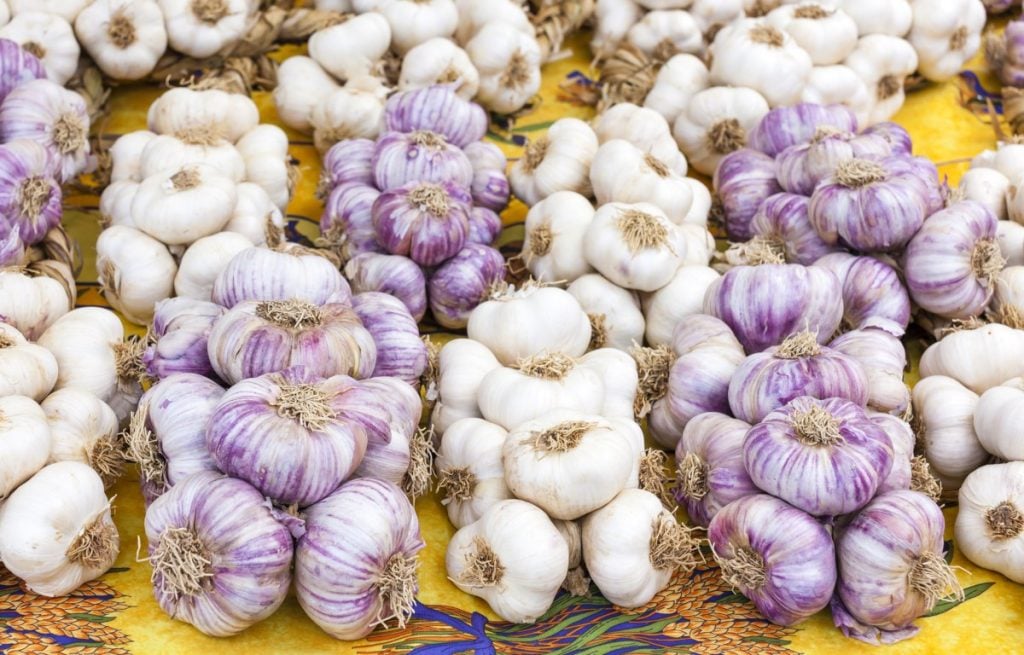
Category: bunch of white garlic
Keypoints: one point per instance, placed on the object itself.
(204, 182)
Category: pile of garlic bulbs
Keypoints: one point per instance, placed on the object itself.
(613, 216)
(540, 463)
(734, 60)
(203, 183)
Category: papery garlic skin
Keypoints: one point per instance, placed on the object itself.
(946, 35)
(84, 429)
(50, 34)
(26, 369)
(782, 224)
(389, 410)
(615, 317)
(227, 520)
(135, 270)
(682, 296)
(169, 153)
(204, 261)
(793, 554)
(30, 199)
(634, 245)
(421, 156)
(716, 123)
(538, 385)
(558, 161)
(555, 231)
(354, 111)
(126, 156)
(566, 462)
(439, 61)
(509, 65)
(533, 560)
(945, 411)
(827, 35)
(883, 62)
(677, 81)
(56, 532)
(25, 441)
(996, 417)
(621, 172)
(625, 548)
(437, 109)
(363, 521)
(709, 458)
(645, 129)
(749, 53)
(31, 304)
(199, 30)
(829, 85)
(427, 222)
(469, 469)
(784, 127)
(181, 328)
(262, 274)
(350, 49)
(978, 359)
(884, 359)
(743, 180)
(462, 365)
(520, 323)
(989, 519)
(400, 351)
(619, 376)
(256, 217)
(180, 206)
(392, 274)
(302, 85)
(125, 39)
(873, 294)
(473, 16)
(53, 117)
(463, 282)
(196, 116)
(666, 30)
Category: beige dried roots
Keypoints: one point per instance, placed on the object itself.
(131, 371)
(855, 173)
(141, 447)
(576, 582)
(69, 133)
(673, 546)
(483, 568)
(535, 153)
(430, 198)
(888, 86)
(727, 135)
(181, 563)
(598, 331)
(934, 579)
(107, 460)
(816, 427)
(186, 179)
(306, 404)
(455, 484)
(1004, 521)
(692, 477)
(653, 477)
(421, 463)
(561, 438)
(397, 584)
(799, 345)
(294, 314)
(96, 545)
(121, 29)
(627, 76)
(33, 194)
(743, 571)
(641, 231)
(923, 480)
(540, 241)
(653, 366)
(987, 260)
(550, 366)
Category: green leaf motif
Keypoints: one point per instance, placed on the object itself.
(535, 127)
(973, 591)
(732, 597)
(758, 639)
(947, 546)
(94, 618)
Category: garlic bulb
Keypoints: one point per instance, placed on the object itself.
(945, 411)
(135, 270)
(439, 61)
(201, 116)
(262, 274)
(201, 28)
(557, 161)
(513, 557)
(633, 546)
(55, 530)
(31, 303)
(755, 54)
(53, 117)
(613, 19)
(179, 206)
(716, 122)
(621, 172)
(1010, 237)
(473, 16)
(678, 80)
(567, 463)
(126, 156)
(25, 441)
(827, 34)
(880, 16)
(883, 62)
(945, 35)
(666, 31)
(979, 359)
(169, 153)
(682, 296)
(48, 36)
(995, 420)
(125, 38)
(256, 217)
(204, 260)
(415, 21)
(302, 85)
(93, 355)
(645, 129)
(84, 429)
(351, 112)
(614, 312)
(987, 186)
(553, 243)
(634, 245)
(264, 149)
(509, 65)
(519, 323)
(830, 85)
(618, 372)
(470, 475)
(462, 365)
(709, 461)
(989, 519)
(66, 9)
(350, 49)
(26, 369)
(116, 203)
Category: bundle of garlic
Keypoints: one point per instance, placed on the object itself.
(205, 182)
(769, 54)
(414, 213)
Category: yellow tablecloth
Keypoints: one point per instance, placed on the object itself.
(698, 614)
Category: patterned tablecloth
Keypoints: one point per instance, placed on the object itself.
(696, 614)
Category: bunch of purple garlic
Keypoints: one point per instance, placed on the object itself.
(415, 213)
(44, 131)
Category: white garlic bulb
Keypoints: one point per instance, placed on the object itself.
(204, 260)
(24, 441)
(126, 156)
(997, 420)
(351, 49)
(31, 303)
(989, 527)
(614, 312)
(644, 128)
(48, 36)
(508, 61)
(462, 365)
(84, 429)
(945, 411)
(256, 217)
(558, 161)
(199, 28)
(302, 84)
(126, 38)
(717, 122)
(180, 205)
(678, 80)
(168, 153)
(26, 369)
(439, 61)
(55, 530)
(634, 245)
(682, 296)
(617, 371)
(979, 359)
(554, 232)
(416, 21)
(621, 172)
(470, 475)
(135, 270)
(264, 150)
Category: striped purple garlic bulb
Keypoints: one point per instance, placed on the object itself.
(743, 180)
(767, 380)
(825, 457)
(389, 411)
(53, 117)
(348, 162)
(884, 359)
(181, 328)
(427, 222)
(221, 561)
(894, 134)
(400, 351)
(484, 226)
(885, 581)
(30, 197)
(779, 557)
(784, 127)
(284, 434)
(17, 66)
(257, 338)
(12, 248)
(765, 304)
(873, 294)
(490, 187)
(709, 461)
(391, 274)
(264, 274)
(437, 109)
(781, 224)
(346, 224)
(420, 156)
(167, 432)
(356, 566)
(463, 282)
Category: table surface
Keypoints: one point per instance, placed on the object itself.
(699, 614)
